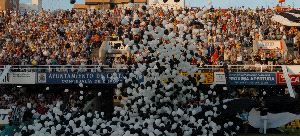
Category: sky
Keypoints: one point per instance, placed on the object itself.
(65, 4)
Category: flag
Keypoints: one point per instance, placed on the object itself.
(289, 18)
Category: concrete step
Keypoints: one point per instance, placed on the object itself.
(95, 53)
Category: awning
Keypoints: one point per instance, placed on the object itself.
(291, 18)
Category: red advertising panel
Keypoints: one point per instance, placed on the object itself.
(295, 79)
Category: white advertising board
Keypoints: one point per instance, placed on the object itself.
(269, 45)
(219, 78)
(293, 69)
(19, 78)
(170, 3)
(4, 116)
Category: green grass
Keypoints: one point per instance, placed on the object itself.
(292, 132)
(286, 132)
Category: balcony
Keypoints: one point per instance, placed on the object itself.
(80, 6)
(140, 1)
(95, 2)
(120, 1)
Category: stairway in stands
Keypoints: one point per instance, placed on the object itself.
(99, 52)
(95, 53)
(4, 73)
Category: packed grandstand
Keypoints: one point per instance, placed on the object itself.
(148, 71)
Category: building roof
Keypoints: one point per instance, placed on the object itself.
(94, 2)
(80, 6)
(90, 2)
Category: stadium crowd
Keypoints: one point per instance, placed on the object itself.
(69, 37)
(162, 43)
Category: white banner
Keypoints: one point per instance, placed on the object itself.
(269, 44)
(170, 3)
(293, 69)
(273, 120)
(19, 78)
(219, 78)
(4, 116)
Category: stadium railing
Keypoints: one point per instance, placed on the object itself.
(255, 68)
(62, 68)
(120, 67)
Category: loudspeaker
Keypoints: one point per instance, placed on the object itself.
(72, 1)
(176, 0)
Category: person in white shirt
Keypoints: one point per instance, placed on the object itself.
(239, 59)
(226, 55)
(263, 58)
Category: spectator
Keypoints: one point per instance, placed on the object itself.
(244, 116)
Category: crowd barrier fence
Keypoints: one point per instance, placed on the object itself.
(101, 68)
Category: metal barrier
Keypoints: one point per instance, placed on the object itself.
(101, 68)
(255, 68)
(248, 68)
(59, 68)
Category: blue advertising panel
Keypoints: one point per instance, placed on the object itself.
(249, 78)
(76, 78)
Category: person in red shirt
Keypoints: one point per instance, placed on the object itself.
(224, 28)
(41, 109)
(194, 61)
(215, 57)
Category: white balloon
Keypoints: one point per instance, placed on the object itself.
(225, 125)
(89, 115)
(80, 85)
(214, 93)
(230, 123)
(58, 127)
